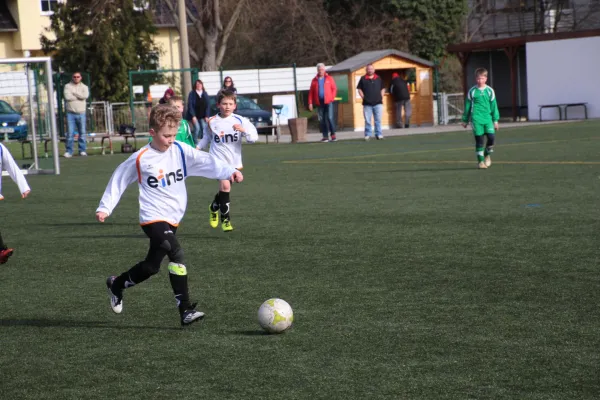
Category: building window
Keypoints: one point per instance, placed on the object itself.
(48, 6)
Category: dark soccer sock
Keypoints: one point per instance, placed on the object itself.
(215, 205)
(489, 147)
(136, 275)
(224, 205)
(179, 283)
(479, 148)
(2, 245)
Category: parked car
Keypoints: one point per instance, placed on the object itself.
(12, 123)
(249, 109)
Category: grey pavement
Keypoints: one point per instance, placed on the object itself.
(312, 137)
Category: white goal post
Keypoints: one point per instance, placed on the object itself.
(28, 113)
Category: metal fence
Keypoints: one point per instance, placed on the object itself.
(452, 106)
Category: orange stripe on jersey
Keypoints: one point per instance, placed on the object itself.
(137, 164)
(158, 220)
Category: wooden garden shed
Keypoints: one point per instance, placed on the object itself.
(418, 72)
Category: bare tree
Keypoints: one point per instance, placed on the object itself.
(209, 27)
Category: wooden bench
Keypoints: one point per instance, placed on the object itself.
(557, 106)
(566, 107)
(277, 132)
(91, 138)
(584, 105)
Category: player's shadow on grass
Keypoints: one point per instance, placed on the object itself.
(79, 224)
(59, 323)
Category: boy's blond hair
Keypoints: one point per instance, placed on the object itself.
(164, 115)
(174, 99)
(481, 71)
(226, 94)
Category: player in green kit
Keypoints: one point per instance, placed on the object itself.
(481, 108)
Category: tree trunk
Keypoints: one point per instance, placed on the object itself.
(209, 63)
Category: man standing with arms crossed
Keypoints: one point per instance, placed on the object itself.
(76, 94)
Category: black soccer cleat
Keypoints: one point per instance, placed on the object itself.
(190, 315)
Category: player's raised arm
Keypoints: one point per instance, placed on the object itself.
(124, 175)
(199, 163)
(250, 131)
(9, 164)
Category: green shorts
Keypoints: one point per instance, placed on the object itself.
(482, 129)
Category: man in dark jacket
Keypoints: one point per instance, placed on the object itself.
(371, 90)
(399, 91)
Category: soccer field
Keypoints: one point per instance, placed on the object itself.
(412, 274)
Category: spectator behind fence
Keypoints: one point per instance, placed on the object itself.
(228, 85)
(322, 93)
(76, 94)
(198, 109)
(370, 88)
(399, 91)
(168, 94)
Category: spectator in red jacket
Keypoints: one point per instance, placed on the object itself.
(322, 94)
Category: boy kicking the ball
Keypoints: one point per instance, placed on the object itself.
(481, 108)
(7, 163)
(160, 169)
(224, 132)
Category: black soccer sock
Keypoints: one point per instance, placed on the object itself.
(224, 205)
(179, 283)
(136, 275)
(2, 245)
(215, 205)
(489, 147)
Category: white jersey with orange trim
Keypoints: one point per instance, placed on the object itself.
(8, 164)
(225, 141)
(161, 180)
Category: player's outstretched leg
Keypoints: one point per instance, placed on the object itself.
(489, 149)
(179, 283)
(479, 152)
(5, 252)
(214, 207)
(225, 216)
(116, 296)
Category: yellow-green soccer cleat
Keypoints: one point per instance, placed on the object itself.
(214, 217)
(226, 225)
(488, 160)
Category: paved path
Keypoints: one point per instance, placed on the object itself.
(348, 135)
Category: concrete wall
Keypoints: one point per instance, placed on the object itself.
(563, 71)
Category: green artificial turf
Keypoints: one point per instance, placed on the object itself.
(412, 275)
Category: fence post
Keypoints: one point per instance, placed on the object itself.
(296, 90)
(131, 98)
(436, 82)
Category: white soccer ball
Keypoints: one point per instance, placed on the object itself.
(275, 316)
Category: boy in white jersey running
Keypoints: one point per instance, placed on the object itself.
(224, 132)
(7, 163)
(160, 169)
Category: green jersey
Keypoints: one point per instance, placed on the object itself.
(184, 134)
(481, 106)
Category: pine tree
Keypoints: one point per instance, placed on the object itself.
(105, 38)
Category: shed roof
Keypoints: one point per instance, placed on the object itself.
(367, 57)
(519, 41)
(7, 22)
(163, 18)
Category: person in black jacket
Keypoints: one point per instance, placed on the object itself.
(399, 91)
(370, 88)
(198, 110)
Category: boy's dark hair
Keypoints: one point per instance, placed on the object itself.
(481, 71)
(226, 94)
(164, 115)
(174, 99)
